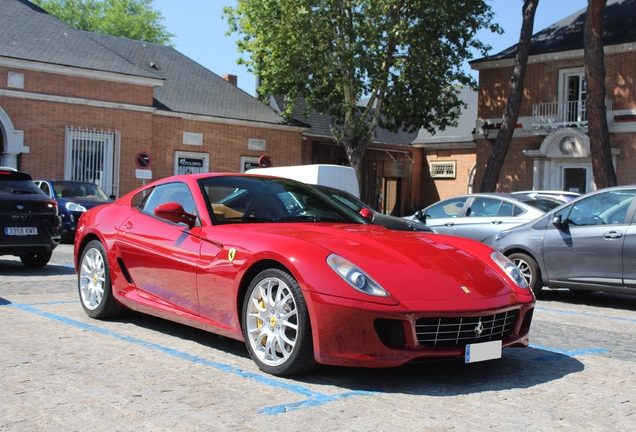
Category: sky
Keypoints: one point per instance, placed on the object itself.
(200, 30)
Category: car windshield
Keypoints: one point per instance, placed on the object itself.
(257, 199)
(79, 190)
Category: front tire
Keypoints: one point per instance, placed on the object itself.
(36, 259)
(276, 324)
(93, 283)
(530, 271)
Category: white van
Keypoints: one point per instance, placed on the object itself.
(337, 176)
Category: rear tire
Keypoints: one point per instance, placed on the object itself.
(36, 259)
(93, 283)
(276, 324)
(530, 271)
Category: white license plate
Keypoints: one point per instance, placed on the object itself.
(21, 231)
(483, 351)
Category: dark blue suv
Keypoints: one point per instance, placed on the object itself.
(73, 199)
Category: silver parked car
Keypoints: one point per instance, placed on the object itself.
(480, 216)
(588, 244)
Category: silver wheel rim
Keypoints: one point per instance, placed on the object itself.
(272, 321)
(525, 270)
(92, 279)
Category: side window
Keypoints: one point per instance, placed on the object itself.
(450, 208)
(518, 211)
(505, 209)
(171, 192)
(603, 209)
(485, 207)
(45, 188)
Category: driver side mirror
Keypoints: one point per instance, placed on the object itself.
(421, 215)
(558, 222)
(174, 212)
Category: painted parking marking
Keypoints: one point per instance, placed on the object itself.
(558, 353)
(313, 398)
(586, 314)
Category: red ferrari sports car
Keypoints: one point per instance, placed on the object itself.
(299, 277)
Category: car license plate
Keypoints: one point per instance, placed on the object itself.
(483, 351)
(20, 231)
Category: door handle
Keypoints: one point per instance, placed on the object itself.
(612, 235)
(449, 224)
(497, 222)
(128, 225)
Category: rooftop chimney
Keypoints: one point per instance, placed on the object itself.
(231, 79)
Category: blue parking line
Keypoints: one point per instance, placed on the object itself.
(558, 353)
(587, 314)
(314, 398)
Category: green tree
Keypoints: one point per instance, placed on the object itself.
(406, 56)
(132, 19)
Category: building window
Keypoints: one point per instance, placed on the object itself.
(443, 169)
(93, 156)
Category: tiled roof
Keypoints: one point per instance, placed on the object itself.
(619, 27)
(322, 124)
(29, 33)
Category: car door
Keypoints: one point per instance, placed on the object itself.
(587, 248)
(629, 251)
(444, 216)
(485, 217)
(162, 256)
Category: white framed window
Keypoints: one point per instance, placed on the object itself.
(443, 169)
(573, 95)
(93, 156)
(191, 162)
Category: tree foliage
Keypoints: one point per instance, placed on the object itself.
(132, 19)
(406, 56)
(511, 114)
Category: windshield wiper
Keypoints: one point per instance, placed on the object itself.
(308, 218)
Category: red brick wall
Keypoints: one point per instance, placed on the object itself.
(76, 87)
(437, 189)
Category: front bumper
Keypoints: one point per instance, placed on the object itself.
(350, 333)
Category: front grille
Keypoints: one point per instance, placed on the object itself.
(450, 332)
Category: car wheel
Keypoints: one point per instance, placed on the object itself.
(276, 324)
(36, 259)
(530, 271)
(93, 280)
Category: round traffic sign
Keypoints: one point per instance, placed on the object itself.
(142, 160)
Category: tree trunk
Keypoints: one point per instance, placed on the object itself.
(598, 131)
(511, 114)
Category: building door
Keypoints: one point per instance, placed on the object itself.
(575, 179)
(391, 196)
(576, 98)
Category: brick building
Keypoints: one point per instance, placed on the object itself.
(83, 106)
(550, 148)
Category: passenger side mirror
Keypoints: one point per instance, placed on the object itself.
(174, 212)
(366, 213)
(421, 215)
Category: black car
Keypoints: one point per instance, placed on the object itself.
(29, 222)
(73, 199)
(376, 218)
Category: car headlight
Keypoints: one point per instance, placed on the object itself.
(510, 268)
(500, 235)
(71, 206)
(355, 277)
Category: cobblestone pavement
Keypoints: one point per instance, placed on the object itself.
(62, 371)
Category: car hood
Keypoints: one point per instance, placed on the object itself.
(409, 265)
